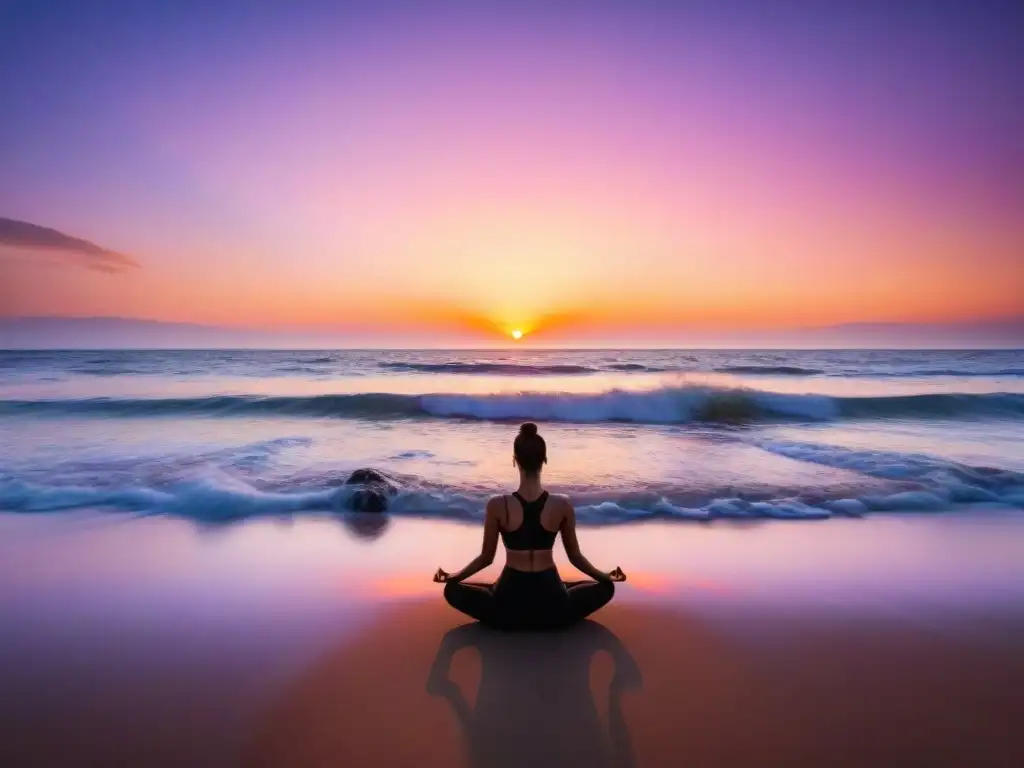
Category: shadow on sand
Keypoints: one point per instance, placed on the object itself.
(790, 688)
(389, 695)
(534, 703)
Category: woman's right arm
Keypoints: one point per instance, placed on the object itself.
(572, 546)
(492, 530)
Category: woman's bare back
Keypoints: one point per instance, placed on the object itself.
(513, 517)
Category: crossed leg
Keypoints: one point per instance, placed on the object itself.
(473, 598)
(585, 597)
(476, 600)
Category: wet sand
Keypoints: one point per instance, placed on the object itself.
(651, 687)
(646, 685)
(865, 643)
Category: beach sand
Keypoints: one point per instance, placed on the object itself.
(641, 686)
(225, 662)
(647, 687)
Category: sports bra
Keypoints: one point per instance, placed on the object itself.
(531, 534)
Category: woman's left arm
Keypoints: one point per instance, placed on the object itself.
(489, 547)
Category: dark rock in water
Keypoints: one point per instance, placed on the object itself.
(363, 476)
(367, 500)
(374, 494)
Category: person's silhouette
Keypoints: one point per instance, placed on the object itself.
(534, 704)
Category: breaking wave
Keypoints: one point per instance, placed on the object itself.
(669, 405)
(770, 370)
(207, 494)
(493, 369)
(913, 373)
(640, 368)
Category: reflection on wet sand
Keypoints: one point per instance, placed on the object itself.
(782, 688)
(534, 704)
(414, 691)
(368, 526)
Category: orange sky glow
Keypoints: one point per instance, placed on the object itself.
(630, 177)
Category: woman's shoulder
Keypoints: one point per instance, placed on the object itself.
(497, 503)
(559, 509)
(559, 500)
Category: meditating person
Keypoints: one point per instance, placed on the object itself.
(529, 593)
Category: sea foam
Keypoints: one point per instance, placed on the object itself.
(911, 483)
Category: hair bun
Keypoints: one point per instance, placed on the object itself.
(529, 429)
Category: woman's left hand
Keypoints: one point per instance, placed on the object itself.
(441, 576)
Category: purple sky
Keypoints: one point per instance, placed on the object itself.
(605, 170)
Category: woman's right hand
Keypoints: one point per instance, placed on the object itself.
(617, 574)
(441, 576)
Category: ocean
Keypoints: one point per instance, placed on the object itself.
(680, 436)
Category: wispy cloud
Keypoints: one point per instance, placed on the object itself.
(21, 235)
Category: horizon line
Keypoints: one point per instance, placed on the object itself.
(619, 348)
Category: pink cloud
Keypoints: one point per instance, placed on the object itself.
(21, 235)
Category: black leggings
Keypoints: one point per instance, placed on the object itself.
(529, 600)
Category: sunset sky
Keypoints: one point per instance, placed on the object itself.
(608, 170)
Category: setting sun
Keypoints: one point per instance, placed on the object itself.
(517, 334)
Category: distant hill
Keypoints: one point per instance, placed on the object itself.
(110, 332)
(131, 333)
(995, 333)
(51, 332)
